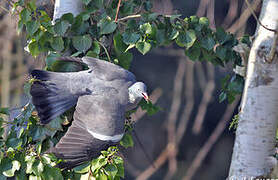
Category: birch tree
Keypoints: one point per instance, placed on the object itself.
(255, 135)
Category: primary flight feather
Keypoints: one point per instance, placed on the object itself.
(102, 94)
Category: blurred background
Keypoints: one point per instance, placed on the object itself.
(189, 138)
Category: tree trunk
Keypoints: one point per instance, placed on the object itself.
(255, 134)
(67, 6)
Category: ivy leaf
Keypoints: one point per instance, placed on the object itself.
(95, 47)
(32, 27)
(61, 27)
(15, 167)
(143, 47)
(146, 28)
(83, 168)
(112, 170)
(186, 39)
(204, 21)
(208, 43)
(125, 59)
(82, 43)
(127, 140)
(68, 17)
(193, 53)
(58, 44)
(51, 173)
(25, 15)
(119, 45)
(130, 38)
(38, 167)
(33, 48)
(107, 26)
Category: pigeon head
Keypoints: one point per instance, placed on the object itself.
(138, 91)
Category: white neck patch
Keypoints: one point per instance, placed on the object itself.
(115, 138)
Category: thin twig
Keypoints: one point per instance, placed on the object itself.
(243, 17)
(117, 12)
(4, 9)
(106, 52)
(211, 140)
(158, 163)
(173, 117)
(198, 122)
(143, 148)
(231, 15)
(189, 95)
(257, 19)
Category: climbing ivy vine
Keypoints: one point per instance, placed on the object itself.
(95, 33)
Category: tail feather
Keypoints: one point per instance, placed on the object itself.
(50, 95)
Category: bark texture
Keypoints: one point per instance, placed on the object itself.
(255, 135)
(67, 6)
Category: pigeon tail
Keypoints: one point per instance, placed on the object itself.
(78, 146)
(50, 94)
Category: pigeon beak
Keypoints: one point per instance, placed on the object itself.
(146, 97)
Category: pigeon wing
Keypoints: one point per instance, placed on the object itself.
(98, 123)
(108, 71)
(103, 69)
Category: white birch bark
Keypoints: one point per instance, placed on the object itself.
(255, 135)
(67, 6)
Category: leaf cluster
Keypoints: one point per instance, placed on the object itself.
(95, 33)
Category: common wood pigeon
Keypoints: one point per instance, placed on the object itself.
(103, 94)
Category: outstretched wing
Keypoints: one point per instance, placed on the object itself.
(98, 123)
(103, 69)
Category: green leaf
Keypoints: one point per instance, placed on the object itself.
(148, 17)
(119, 45)
(32, 177)
(204, 21)
(208, 43)
(61, 27)
(95, 47)
(38, 167)
(130, 38)
(4, 111)
(62, 66)
(83, 168)
(96, 164)
(112, 170)
(149, 107)
(186, 39)
(51, 173)
(193, 53)
(14, 142)
(125, 59)
(58, 44)
(68, 17)
(127, 140)
(25, 15)
(221, 52)
(51, 58)
(32, 27)
(107, 26)
(146, 28)
(143, 47)
(82, 43)
(15, 167)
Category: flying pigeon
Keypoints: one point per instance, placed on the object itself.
(102, 94)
